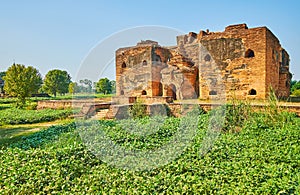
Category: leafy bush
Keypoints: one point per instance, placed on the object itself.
(296, 93)
(138, 110)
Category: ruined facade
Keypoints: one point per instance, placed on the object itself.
(240, 62)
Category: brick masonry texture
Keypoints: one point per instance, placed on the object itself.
(240, 62)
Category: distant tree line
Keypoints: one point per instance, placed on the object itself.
(21, 82)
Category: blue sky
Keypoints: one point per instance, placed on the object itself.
(62, 33)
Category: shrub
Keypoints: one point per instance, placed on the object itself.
(138, 110)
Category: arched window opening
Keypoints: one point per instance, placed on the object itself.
(213, 93)
(123, 65)
(249, 53)
(144, 92)
(122, 92)
(144, 63)
(252, 92)
(207, 58)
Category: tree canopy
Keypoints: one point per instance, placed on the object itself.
(104, 85)
(2, 74)
(86, 85)
(295, 88)
(57, 81)
(21, 82)
(74, 88)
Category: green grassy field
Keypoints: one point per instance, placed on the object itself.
(256, 153)
(15, 123)
(13, 133)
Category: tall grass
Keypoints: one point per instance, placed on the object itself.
(241, 114)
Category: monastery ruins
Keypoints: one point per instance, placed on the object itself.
(240, 62)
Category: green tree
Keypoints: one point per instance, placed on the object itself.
(104, 86)
(295, 85)
(296, 93)
(113, 86)
(86, 85)
(2, 74)
(73, 88)
(21, 82)
(57, 81)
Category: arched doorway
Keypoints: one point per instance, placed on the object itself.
(172, 91)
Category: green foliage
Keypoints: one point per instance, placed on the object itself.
(19, 116)
(296, 93)
(295, 85)
(86, 86)
(104, 86)
(21, 82)
(57, 81)
(295, 88)
(257, 160)
(236, 114)
(138, 110)
(113, 86)
(74, 88)
(2, 74)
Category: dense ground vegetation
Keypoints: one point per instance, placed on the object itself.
(12, 116)
(257, 153)
(9, 115)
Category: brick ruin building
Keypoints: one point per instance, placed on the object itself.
(240, 62)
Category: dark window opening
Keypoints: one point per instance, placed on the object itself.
(144, 63)
(144, 92)
(249, 53)
(171, 91)
(122, 92)
(252, 92)
(207, 58)
(160, 89)
(123, 65)
(212, 93)
(156, 60)
(287, 84)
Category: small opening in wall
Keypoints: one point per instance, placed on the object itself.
(252, 92)
(207, 58)
(287, 84)
(144, 92)
(213, 93)
(123, 65)
(144, 63)
(122, 92)
(249, 53)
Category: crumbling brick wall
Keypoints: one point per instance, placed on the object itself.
(240, 62)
